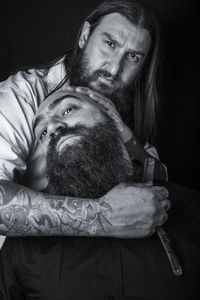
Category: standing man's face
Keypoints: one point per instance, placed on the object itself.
(114, 52)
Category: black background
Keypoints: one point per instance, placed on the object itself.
(33, 32)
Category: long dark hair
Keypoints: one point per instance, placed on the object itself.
(145, 101)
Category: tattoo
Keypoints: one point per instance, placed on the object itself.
(24, 212)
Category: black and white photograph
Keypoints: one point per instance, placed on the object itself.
(99, 156)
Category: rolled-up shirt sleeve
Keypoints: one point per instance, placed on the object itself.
(17, 108)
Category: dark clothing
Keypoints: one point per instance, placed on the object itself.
(63, 268)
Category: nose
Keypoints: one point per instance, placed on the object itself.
(115, 65)
(54, 125)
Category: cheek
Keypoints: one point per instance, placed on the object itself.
(89, 118)
(88, 121)
(96, 57)
(97, 118)
(129, 74)
(44, 147)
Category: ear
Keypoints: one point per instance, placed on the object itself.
(84, 34)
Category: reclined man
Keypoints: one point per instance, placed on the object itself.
(84, 157)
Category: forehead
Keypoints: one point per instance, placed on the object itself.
(63, 100)
(120, 27)
(54, 101)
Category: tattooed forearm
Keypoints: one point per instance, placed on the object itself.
(24, 212)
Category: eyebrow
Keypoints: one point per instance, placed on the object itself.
(58, 100)
(112, 39)
(51, 107)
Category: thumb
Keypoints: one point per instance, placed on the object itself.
(144, 184)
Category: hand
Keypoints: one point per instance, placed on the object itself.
(108, 107)
(137, 209)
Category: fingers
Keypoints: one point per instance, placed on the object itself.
(88, 92)
(165, 205)
(142, 184)
(163, 218)
(161, 191)
(97, 97)
(151, 232)
(93, 94)
(162, 214)
(160, 221)
(70, 88)
(105, 103)
(82, 90)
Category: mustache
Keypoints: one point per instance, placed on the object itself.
(61, 132)
(106, 73)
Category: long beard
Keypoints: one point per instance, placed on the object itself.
(89, 168)
(122, 96)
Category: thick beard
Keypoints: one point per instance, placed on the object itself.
(89, 168)
(121, 96)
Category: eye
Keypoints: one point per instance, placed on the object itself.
(133, 57)
(67, 111)
(43, 134)
(110, 44)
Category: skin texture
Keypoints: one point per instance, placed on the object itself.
(137, 151)
(117, 50)
(39, 214)
(61, 111)
(24, 212)
(120, 50)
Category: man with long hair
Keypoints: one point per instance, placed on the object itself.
(116, 57)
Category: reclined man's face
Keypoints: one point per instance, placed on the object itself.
(66, 111)
(83, 148)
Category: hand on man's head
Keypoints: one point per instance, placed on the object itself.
(108, 107)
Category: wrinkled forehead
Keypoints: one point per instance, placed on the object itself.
(56, 98)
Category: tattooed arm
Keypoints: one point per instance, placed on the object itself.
(24, 212)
